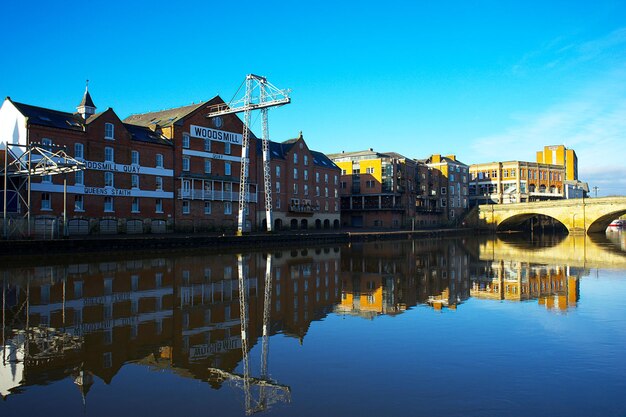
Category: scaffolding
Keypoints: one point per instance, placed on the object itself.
(22, 163)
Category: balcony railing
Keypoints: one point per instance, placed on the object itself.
(210, 195)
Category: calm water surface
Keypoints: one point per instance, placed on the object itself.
(449, 327)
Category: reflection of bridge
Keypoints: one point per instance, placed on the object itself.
(588, 215)
(574, 251)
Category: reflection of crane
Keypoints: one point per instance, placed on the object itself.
(270, 392)
(261, 95)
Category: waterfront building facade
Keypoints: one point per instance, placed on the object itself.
(455, 196)
(305, 187)
(515, 182)
(127, 183)
(428, 207)
(378, 190)
(207, 165)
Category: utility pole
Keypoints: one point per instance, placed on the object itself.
(595, 190)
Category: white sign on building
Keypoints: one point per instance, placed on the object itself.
(214, 134)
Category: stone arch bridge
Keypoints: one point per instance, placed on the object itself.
(582, 215)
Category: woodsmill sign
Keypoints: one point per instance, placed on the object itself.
(214, 134)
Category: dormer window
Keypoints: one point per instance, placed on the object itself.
(109, 131)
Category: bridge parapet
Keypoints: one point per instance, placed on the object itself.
(579, 216)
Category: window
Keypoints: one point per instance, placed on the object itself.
(451, 190)
(317, 191)
(159, 183)
(134, 157)
(306, 160)
(108, 204)
(46, 178)
(326, 178)
(186, 207)
(336, 193)
(207, 207)
(45, 201)
(306, 174)
(295, 158)
(207, 166)
(135, 205)
(295, 173)
(325, 191)
(443, 190)
(79, 177)
(277, 186)
(317, 177)
(186, 163)
(295, 188)
(134, 181)
(109, 131)
(277, 171)
(336, 180)
(277, 203)
(227, 148)
(207, 145)
(109, 154)
(185, 141)
(452, 177)
(227, 168)
(369, 170)
(444, 202)
(78, 203)
(228, 207)
(159, 160)
(46, 143)
(79, 151)
(108, 179)
(306, 189)
(159, 206)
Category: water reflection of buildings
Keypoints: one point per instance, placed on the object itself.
(552, 286)
(87, 320)
(388, 277)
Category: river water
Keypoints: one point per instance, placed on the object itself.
(472, 326)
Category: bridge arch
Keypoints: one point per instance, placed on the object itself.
(602, 222)
(517, 220)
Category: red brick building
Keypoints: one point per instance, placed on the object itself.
(207, 161)
(127, 184)
(305, 187)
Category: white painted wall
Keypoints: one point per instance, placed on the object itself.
(12, 124)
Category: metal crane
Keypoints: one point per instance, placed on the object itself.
(260, 95)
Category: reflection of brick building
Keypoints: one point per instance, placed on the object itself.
(179, 313)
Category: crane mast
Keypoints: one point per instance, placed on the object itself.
(259, 95)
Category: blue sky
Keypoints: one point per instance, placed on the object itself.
(485, 80)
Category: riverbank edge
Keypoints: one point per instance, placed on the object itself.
(13, 248)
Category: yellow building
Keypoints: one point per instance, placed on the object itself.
(560, 155)
(515, 182)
